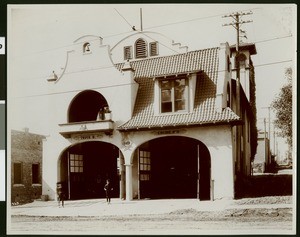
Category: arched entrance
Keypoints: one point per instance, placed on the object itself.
(86, 106)
(174, 167)
(84, 168)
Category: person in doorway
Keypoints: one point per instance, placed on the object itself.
(108, 189)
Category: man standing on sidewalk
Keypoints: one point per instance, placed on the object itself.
(108, 190)
(60, 193)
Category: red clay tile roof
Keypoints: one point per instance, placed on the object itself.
(205, 62)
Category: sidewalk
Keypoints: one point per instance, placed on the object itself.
(99, 207)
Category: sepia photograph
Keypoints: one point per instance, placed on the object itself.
(151, 119)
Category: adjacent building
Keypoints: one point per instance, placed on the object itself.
(263, 158)
(158, 120)
(26, 166)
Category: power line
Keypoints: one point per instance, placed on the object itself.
(52, 49)
(131, 26)
(71, 91)
(101, 68)
(180, 22)
(234, 14)
(272, 63)
(70, 45)
(113, 35)
(275, 38)
(194, 19)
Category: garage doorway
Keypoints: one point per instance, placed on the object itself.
(84, 168)
(174, 167)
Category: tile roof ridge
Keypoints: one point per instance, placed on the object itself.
(168, 56)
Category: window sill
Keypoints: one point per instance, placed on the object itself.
(173, 113)
(36, 185)
(18, 185)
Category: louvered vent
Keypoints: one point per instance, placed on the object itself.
(127, 52)
(153, 49)
(140, 49)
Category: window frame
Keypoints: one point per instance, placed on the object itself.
(20, 180)
(156, 48)
(35, 175)
(125, 52)
(76, 163)
(173, 95)
(141, 53)
(144, 165)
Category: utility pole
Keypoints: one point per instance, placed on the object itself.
(269, 121)
(266, 144)
(236, 24)
(274, 138)
(141, 18)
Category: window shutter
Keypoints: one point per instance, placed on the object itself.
(140, 49)
(127, 52)
(153, 49)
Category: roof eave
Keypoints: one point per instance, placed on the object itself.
(212, 123)
(247, 46)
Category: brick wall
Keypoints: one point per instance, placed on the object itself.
(26, 148)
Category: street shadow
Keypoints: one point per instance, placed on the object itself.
(266, 185)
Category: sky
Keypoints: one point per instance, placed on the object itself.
(40, 35)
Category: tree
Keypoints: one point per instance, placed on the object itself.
(282, 105)
(253, 127)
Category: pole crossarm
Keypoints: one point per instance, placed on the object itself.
(237, 19)
(237, 14)
(239, 23)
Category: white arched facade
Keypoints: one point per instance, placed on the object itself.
(96, 70)
(216, 139)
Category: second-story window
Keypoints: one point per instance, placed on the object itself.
(127, 52)
(173, 95)
(141, 49)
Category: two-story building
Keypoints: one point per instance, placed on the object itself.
(156, 119)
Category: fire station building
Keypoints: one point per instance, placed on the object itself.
(158, 120)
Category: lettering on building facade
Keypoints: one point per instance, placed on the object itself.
(80, 137)
(169, 132)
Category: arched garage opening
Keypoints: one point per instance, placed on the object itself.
(174, 167)
(84, 168)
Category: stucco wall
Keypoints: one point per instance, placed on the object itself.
(117, 50)
(216, 138)
(96, 71)
(219, 143)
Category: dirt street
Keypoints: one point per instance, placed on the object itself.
(184, 221)
(268, 207)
